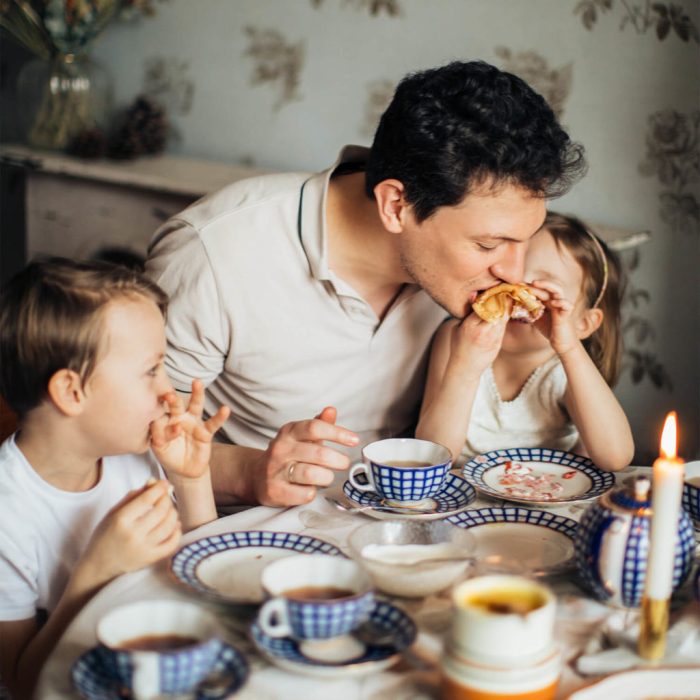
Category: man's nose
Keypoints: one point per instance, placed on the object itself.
(510, 267)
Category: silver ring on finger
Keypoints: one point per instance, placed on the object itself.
(290, 472)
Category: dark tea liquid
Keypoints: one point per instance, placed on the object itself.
(317, 593)
(158, 642)
(506, 602)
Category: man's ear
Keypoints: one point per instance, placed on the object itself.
(66, 392)
(391, 204)
(589, 323)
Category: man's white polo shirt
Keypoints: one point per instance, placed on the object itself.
(258, 316)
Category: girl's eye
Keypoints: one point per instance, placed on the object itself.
(153, 371)
(486, 247)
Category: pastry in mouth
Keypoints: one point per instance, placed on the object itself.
(514, 301)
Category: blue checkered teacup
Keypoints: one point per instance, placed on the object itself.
(402, 470)
(691, 492)
(159, 647)
(314, 596)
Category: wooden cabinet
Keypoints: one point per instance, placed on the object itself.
(74, 207)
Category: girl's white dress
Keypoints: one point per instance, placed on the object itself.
(536, 417)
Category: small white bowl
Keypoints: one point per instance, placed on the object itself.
(412, 559)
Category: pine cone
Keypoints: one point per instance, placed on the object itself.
(144, 131)
(124, 145)
(90, 143)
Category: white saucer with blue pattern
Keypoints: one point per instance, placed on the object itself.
(523, 540)
(454, 497)
(537, 476)
(386, 618)
(226, 568)
(96, 679)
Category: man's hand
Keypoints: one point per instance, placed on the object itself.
(296, 462)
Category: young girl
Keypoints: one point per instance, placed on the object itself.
(82, 498)
(547, 384)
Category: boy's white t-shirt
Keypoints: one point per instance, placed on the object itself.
(536, 417)
(44, 531)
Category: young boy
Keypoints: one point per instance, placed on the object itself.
(82, 499)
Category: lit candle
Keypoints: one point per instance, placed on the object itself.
(666, 507)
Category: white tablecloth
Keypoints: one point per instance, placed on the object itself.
(577, 617)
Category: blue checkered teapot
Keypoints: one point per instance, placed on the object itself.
(612, 545)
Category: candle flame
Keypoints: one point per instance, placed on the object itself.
(669, 436)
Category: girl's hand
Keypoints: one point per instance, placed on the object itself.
(475, 343)
(180, 439)
(140, 530)
(558, 325)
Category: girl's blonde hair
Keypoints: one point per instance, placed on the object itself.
(603, 287)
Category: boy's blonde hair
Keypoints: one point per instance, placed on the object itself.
(603, 282)
(51, 316)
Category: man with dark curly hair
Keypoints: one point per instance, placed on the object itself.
(293, 292)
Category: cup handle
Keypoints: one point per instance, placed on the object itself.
(273, 619)
(145, 681)
(361, 468)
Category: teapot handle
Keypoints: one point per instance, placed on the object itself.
(609, 544)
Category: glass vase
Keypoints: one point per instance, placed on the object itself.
(61, 98)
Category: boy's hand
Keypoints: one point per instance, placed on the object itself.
(475, 343)
(557, 325)
(141, 529)
(180, 439)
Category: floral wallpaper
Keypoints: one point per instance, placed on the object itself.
(379, 94)
(283, 84)
(673, 157)
(167, 80)
(554, 84)
(663, 18)
(276, 61)
(375, 7)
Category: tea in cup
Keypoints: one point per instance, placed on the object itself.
(501, 641)
(159, 647)
(314, 596)
(402, 470)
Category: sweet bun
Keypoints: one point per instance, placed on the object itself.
(514, 301)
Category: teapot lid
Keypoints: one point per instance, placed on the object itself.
(633, 497)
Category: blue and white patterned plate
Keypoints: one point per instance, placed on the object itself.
(537, 476)
(95, 681)
(524, 540)
(385, 617)
(226, 568)
(455, 495)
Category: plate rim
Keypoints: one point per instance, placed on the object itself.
(467, 487)
(478, 483)
(242, 658)
(597, 685)
(330, 670)
(570, 523)
(201, 589)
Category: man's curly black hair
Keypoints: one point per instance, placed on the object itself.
(450, 129)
